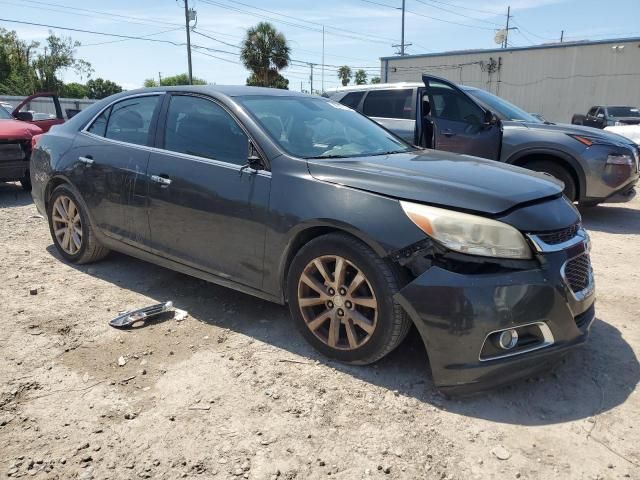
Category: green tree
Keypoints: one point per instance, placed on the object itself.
(265, 52)
(17, 76)
(100, 88)
(375, 80)
(74, 90)
(345, 75)
(275, 81)
(360, 77)
(175, 80)
(58, 55)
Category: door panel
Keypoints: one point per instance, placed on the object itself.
(45, 109)
(206, 211)
(111, 160)
(459, 122)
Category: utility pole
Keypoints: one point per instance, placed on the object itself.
(561, 36)
(159, 79)
(506, 31)
(322, 58)
(402, 35)
(187, 18)
(311, 77)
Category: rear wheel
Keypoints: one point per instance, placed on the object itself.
(70, 228)
(559, 172)
(341, 297)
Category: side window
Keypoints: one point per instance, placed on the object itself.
(389, 104)
(99, 125)
(450, 104)
(41, 108)
(130, 119)
(200, 127)
(592, 112)
(352, 99)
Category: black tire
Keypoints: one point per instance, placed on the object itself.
(384, 278)
(559, 172)
(25, 182)
(90, 249)
(577, 119)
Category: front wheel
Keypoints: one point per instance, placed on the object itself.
(70, 228)
(341, 298)
(559, 172)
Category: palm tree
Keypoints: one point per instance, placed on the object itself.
(344, 74)
(361, 77)
(265, 52)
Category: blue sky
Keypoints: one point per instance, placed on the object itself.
(357, 32)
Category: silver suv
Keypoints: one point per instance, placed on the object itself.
(595, 166)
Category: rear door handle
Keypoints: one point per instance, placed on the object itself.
(88, 160)
(162, 180)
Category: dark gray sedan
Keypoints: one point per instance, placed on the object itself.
(301, 200)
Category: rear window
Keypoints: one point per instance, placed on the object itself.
(352, 100)
(396, 103)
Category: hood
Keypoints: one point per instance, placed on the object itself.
(605, 137)
(461, 182)
(16, 129)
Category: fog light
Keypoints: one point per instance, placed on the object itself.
(508, 339)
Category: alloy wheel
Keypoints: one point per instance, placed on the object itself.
(337, 302)
(67, 224)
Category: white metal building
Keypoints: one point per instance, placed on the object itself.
(555, 80)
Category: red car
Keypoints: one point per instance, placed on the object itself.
(18, 133)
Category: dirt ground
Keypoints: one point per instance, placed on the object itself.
(233, 391)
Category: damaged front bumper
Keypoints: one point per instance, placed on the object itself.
(460, 317)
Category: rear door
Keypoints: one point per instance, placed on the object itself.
(111, 156)
(393, 108)
(459, 122)
(206, 210)
(43, 108)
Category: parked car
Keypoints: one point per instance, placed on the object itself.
(43, 120)
(16, 139)
(611, 116)
(594, 166)
(298, 199)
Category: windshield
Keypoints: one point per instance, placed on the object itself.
(503, 109)
(4, 114)
(309, 127)
(623, 111)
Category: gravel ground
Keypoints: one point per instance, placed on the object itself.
(233, 391)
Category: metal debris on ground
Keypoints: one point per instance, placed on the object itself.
(130, 318)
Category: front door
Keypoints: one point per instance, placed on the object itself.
(206, 210)
(460, 124)
(110, 164)
(41, 109)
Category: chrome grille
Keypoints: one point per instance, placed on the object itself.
(559, 236)
(577, 273)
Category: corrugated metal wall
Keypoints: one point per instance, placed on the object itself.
(555, 81)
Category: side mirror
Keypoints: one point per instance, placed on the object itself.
(254, 161)
(24, 116)
(600, 115)
(489, 118)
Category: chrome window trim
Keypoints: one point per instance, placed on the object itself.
(543, 247)
(589, 289)
(547, 340)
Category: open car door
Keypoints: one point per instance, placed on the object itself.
(459, 124)
(41, 109)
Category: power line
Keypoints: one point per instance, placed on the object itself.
(465, 7)
(126, 39)
(458, 13)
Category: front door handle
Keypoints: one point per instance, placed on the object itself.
(448, 133)
(162, 180)
(88, 160)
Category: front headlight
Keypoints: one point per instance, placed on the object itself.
(468, 233)
(620, 159)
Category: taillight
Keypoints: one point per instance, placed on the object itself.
(34, 141)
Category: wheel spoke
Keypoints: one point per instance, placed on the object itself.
(323, 271)
(314, 284)
(339, 272)
(60, 231)
(334, 331)
(76, 240)
(72, 209)
(60, 209)
(76, 218)
(311, 301)
(351, 334)
(319, 320)
(355, 283)
(365, 302)
(58, 219)
(78, 231)
(65, 240)
(362, 321)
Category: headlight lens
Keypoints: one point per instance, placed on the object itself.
(468, 233)
(614, 159)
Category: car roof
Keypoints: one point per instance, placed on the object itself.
(384, 86)
(228, 90)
